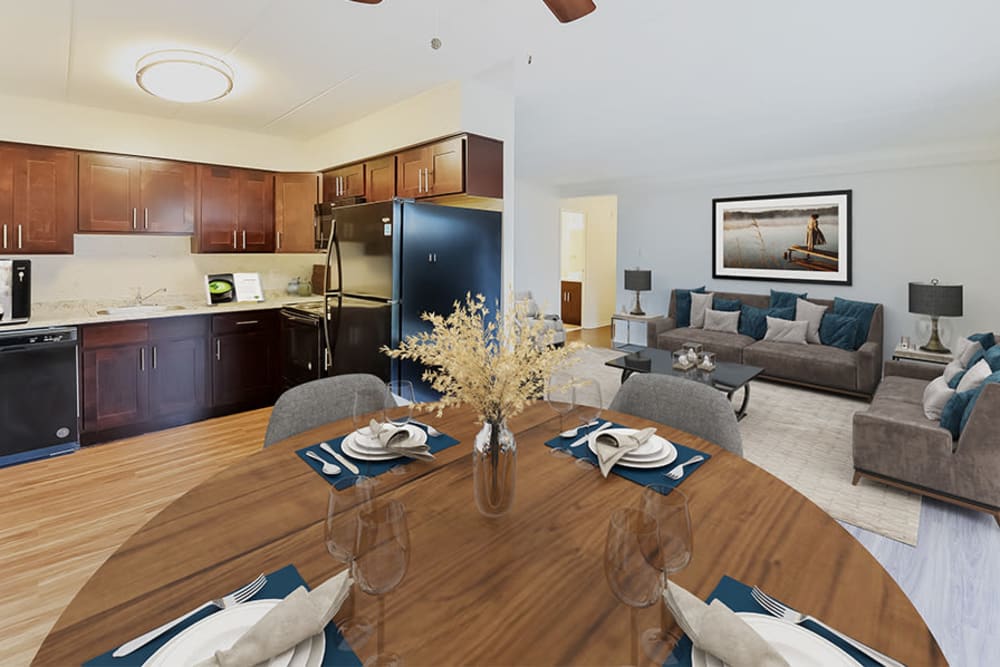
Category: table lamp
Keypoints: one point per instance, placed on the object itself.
(937, 301)
(638, 280)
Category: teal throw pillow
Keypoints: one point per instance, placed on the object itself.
(753, 322)
(786, 313)
(992, 379)
(728, 305)
(987, 340)
(954, 410)
(839, 331)
(862, 310)
(953, 382)
(682, 305)
(785, 299)
(992, 357)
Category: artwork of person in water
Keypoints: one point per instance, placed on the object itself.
(814, 235)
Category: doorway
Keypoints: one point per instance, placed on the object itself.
(588, 260)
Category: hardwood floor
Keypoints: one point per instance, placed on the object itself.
(599, 337)
(64, 516)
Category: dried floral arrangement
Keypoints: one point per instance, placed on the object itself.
(497, 366)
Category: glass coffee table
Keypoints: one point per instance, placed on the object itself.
(727, 377)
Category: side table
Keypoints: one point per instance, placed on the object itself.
(916, 354)
(638, 330)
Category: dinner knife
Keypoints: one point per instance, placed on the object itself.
(580, 441)
(343, 460)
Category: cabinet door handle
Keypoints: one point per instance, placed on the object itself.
(279, 240)
(244, 239)
(218, 349)
(427, 180)
(142, 359)
(234, 240)
(239, 324)
(145, 218)
(154, 357)
(5, 235)
(20, 244)
(420, 180)
(133, 218)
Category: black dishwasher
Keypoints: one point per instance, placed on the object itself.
(39, 415)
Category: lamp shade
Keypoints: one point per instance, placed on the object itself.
(639, 280)
(936, 300)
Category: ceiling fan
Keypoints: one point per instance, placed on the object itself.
(565, 10)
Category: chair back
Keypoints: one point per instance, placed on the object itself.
(322, 401)
(683, 404)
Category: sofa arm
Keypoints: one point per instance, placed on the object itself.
(895, 445)
(869, 367)
(916, 371)
(661, 325)
(983, 429)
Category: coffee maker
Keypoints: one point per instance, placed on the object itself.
(15, 291)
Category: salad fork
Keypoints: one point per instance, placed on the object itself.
(236, 597)
(678, 471)
(789, 615)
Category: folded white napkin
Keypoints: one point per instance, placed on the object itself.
(400, 441)
(716, 629)
(611, 447)
(296, 618)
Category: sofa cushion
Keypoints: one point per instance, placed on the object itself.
(953, 368)
(839, 331)
(992, 357)
(813, 314)
(862, 310)
(975, 376)
(813, 364)
(699, 304)
(753, 322)
(936, 396)
(682, 305)
(785, 299)
(987, 340)
(994, 378)
(965, 350)
(786, 331)
(727, 305)
(954, 409)
(903, 389)
(722, 320)
(726, 346)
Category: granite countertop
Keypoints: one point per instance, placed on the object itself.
(74, 313)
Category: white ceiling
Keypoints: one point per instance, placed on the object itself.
(638, 89)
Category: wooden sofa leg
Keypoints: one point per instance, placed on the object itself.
(997, 517)
(857, 478)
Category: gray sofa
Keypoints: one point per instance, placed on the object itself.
(896, 444)
(820, 366)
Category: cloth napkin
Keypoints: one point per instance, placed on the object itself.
(296, 618)
(611, 447)
(400, 441)
(716, 629)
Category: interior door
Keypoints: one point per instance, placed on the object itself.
(167, 196)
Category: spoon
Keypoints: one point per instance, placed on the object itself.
(571, 433)
(330, 469)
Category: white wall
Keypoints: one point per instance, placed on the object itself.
(599, 282)
(536, 244)
(908, 225)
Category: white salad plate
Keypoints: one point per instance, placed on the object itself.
(221, 630)
(366, 448)
(653, 453)
(797, 645)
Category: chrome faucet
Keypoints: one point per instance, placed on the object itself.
(140, 299)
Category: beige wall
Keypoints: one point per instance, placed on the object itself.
(600, 274)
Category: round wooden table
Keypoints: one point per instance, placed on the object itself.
(526, 589)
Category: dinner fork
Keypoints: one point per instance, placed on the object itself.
(236, 597)
(678, 470)
(789, 615)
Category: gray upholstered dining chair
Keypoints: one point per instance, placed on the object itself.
(686, 405)
(322, 401)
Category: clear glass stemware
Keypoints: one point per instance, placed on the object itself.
(340, 534)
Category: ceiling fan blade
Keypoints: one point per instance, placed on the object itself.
(368, 2)
(570, 10)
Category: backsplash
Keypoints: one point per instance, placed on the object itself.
(110, 268)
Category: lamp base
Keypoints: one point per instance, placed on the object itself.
(934, 344)
(637, 310)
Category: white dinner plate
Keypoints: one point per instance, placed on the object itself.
(661, 449)
(371, 445)
(351, 448)
(220, 630)
(797, 645)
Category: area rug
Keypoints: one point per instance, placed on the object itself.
(803, 437)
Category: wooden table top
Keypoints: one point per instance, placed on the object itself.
(525, 589)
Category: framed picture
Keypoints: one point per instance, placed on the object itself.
(804, 237)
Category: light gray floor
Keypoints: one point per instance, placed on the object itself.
(953, 578)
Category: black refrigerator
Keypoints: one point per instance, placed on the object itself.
(389, 262)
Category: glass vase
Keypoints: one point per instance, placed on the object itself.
(494, 469)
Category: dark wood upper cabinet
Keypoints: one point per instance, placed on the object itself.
(348, 181)
(235, 210)
(380, 179)
(410, 168)
(446, 175)
(295, 197)
(467, 164)
(38, 190)
(135, 195)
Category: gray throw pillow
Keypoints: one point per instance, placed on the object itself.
(811, 313)
(936, 396)
(966, 350)
(953, 368)
(722, 320)
(786, 331)
(974, 376)
(699, 304)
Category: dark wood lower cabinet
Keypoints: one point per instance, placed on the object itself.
(178, 366)
(115, 387)
(245, 359)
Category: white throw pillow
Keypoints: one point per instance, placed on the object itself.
(786, 331)
(966, 350)
(721, 320)
(699, 304)
(936, 396)
(974, 376)
(953, 368)
(811, 313)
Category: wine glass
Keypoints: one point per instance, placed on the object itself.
(397, 408)
(631, 565)
(559, 395)
(669, 507)
(340, 534)
(382, 557)
(368, 405)
(587, 399)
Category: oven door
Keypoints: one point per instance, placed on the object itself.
(301, 349)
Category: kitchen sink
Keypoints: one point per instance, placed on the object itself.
(137, 310)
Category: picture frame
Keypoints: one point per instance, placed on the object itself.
(800, 237)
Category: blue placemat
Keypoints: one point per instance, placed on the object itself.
(346, 479)
(737, 597)
(279, 584)
(642, 476)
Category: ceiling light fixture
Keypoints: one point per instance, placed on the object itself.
(180, 75)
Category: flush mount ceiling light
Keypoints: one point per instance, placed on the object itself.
(181, 75)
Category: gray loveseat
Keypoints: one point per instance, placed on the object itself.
(820, 366)
(896, 444)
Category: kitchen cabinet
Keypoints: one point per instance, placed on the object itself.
(38, 190)
(245, 360)
(234, 211)
(572, 302)
(467, 164)
(122, 194)
(295, 196)
(380, 179)
(346, 181)
(178, 358)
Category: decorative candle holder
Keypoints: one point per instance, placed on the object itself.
(707, 362)
(682, 362)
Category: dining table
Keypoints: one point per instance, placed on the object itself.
(526, 588)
